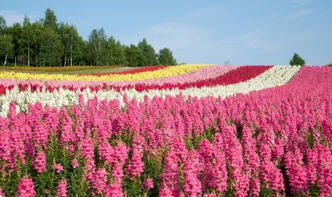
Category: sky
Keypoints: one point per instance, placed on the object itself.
(237, 32)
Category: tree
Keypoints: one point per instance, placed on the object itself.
(17, 36)
(97, 46)
(71, 42)
(36, 36)
(135, 56)
(297, 60)
(165, 57)
(28, 37)
(116, 52)
(120, 54)
(6, 47)
(50, 48)
(50, 20)
(2, 25)
(47, 42)
(148, 52)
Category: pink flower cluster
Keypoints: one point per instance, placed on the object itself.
(62, 189)
(25, 188)
(203, 77)
(277, 140)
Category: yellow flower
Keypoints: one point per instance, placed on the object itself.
(169, 71)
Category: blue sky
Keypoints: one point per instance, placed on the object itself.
(201, 31)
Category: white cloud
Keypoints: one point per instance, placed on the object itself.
(12, 17)
(299, 3)
(194, 44)
(198, 42)
(299, 14)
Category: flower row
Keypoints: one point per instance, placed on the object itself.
(131, 71)
(275, 76)
(169, 71)
(207, 76)
(201, 74)
(272, 142)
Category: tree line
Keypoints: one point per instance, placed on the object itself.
(49, 43)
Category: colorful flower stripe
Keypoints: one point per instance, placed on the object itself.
(190, 77)
(170, 71)
(238, 75)
(275, 76)
(199, 74)
(131, 71)
(274, 142)
(234, 76)
(204, 73)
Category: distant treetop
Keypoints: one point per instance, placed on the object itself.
(297, 60)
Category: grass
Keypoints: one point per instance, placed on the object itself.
(65, 70)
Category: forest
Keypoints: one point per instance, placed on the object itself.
(49, 43)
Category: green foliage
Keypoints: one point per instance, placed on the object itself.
(193, 141)
(72, 43)
(49, 43)
(165, 57)
(50, 20)
(135, 56)
(2, 25)
(97, 47)
(116, 54)
(148, 52)
(297, 60)
(6, 47)
(314, 190)
(50, 48)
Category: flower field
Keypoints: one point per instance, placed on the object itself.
(187, 130)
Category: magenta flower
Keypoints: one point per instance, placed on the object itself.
(192, 185)
(147, 184)
(40, 162)
(2, 194)
(58, 167)
(114, 190)
(98, 180)
(62, 189)
(135, 167)
(26, 188)
(74, 163)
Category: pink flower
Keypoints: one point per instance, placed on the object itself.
(169, 185)
(98, 180)
(87, 148)
(165, 192)
(114, 190)
(26, 188)
(2, 194)
(12, 110)
(147, 184)
(66, 133)
(62, 189)
(210, 195)
(296, 171)
(135, 167)
(40, 134)
(58, 167)
(40, 162)
(192, 185)
(117, 171)
(74, 163)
